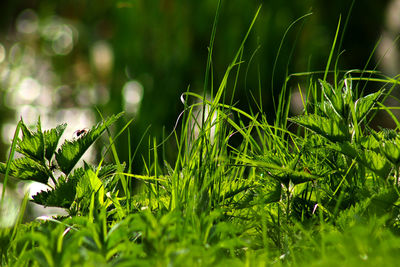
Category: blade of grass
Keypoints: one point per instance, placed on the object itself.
(332, 50)
(10, 158)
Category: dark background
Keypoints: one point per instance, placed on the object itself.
(161, 47)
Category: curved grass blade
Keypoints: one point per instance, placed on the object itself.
(5, 168)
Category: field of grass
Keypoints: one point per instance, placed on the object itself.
(317, 189)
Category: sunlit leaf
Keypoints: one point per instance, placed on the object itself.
(51, 138)
(391, 150)
(106, 174)
(375, 162)
(72, 150)
(370, 142)
(282, 174)
(365, 104)
(333, 130)
(89, 183)
(346, 148)
(334, 98)
(32, 143)
(62, 195)
(270, 191)
(383, 201)
(27, 169)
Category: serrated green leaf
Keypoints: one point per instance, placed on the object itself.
(282, 174)
(3, 167)
(108, 170)
(71, 151)
(64, 192)
(365, 104)
(27, 169)
(32, 143)
(375, 162)
(334, 98)
(333, 130)
(89, 184)
(391, 150)
(383, 201)
(370, 142)
(106, 175)
(53, 198)
(51, 138)
(270, 192)
(346, 148)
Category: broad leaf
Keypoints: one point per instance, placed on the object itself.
(88, 184)
(365, 104)
(27, 169)
(335, 98)
(3, 167)
(71, 151)
(346, 148)
(375, 162)
(282, 174)
(270, 192)
(370, 142)
(391, 150)
(333, 130)
(51, 138)
(32, 144)
(106, 175)
(63, 194)
(382, 202)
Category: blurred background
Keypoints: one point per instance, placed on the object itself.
(62, 60)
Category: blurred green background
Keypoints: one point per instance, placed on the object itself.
(61, 60)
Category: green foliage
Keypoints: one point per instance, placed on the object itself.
(71, 151)
(40, 162)
(326, 194)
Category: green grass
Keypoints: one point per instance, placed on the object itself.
(323, 194)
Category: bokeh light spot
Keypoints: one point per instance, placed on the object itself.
(29, 89)
(102, 57)
(132, 95)
(60, 35)
(27, 22)
(2, 53)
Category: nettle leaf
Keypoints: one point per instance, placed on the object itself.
(32, 144)
(64, 192)
(375, 162)
(282, 174)
(89, 184)
(296, 177)
(346, 148)
(51, 138)
(334, 97)
(365, 104)
(270, 191)
(382, 202)
(370, 142)
(27, 169)
(59, 197)
(71, 151)
(391, 150)
(106, 175)
(333, 130)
